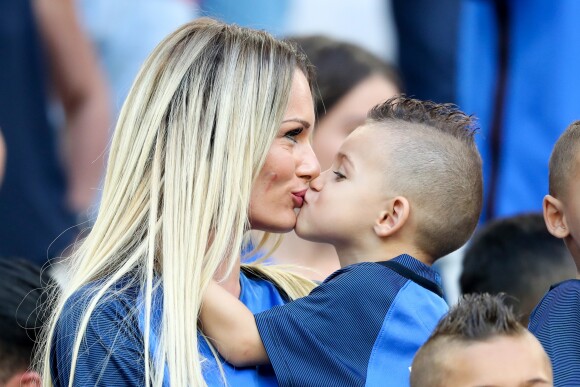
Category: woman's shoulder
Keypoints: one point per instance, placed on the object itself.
(258, 292)
(111, 338)
(118, 300)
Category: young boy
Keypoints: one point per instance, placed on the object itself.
(556, 319)
(404, 190)
(480, 343)
(516, 256)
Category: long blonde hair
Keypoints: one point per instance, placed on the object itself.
(192, 136)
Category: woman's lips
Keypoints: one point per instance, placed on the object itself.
(298, 198)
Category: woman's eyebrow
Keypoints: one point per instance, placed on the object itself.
(306, 124)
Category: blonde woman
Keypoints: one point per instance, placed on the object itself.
(213, 141)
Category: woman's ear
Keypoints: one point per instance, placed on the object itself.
(554, 217)
(393, 217)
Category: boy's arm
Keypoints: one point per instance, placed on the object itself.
(231, 328)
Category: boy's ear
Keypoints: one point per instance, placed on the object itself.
(393, 217)
(554, 217)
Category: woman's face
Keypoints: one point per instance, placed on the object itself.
(347, 114)
(290, 164)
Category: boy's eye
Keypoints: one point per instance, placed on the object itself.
(292, 134)
(339, 176)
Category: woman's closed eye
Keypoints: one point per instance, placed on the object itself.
(292, 134)
(339, 176)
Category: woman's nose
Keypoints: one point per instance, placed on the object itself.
(309, 168)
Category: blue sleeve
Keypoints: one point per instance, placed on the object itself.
(111, 352)
(556, 324)
(327, 337)
(413, 316)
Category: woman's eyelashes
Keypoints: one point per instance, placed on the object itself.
(338, 175)
(292, 134)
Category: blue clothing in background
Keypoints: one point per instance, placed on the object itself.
(361, 326)
(556, 324)
(125, 32)
(518, 73)
(427, 47)
(112, 350)
(35, 221)
(257, 14)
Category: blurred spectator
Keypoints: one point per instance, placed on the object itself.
(480, 343)
(23, 301)
(427, 33)
(518, 73)
(519, 257)
(350, 81)
(366, 23)
(51, 175)
(124, 33)
(2, 157)
(258, 14)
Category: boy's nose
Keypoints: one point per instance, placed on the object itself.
(317, 183)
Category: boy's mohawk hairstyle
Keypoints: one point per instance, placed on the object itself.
(435, 144)
(478, 317)
(445, 117)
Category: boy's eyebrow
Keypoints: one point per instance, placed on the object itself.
(536, 381)
(527, 383)
(343, 157)
(306, 124)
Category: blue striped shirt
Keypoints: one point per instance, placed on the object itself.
(112, 350)
(556, 324)
(361, 326)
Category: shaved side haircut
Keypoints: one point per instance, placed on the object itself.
(435, 164)
(564, 160)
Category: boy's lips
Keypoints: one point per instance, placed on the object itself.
(298, 198)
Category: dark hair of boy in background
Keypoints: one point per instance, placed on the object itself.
(556, 319)
(481, 343)
(516, 256)
(23, 311)
(404, 190)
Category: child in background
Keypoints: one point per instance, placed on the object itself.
(350, 81)
(25, 306)
(516, 256)
(556, 319)
(480, 343)
(404, 190)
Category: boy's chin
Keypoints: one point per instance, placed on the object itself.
(305, 232)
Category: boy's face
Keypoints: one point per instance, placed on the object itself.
(343, 203)
(502, 361)
(571, 209)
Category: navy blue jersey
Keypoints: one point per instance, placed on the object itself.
(361, 326)
(556, 324)
(112, 350)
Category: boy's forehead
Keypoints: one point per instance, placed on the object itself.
(366, 139)
(369, 133)
(497, 361)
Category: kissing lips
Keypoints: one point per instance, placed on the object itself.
(298, 198)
